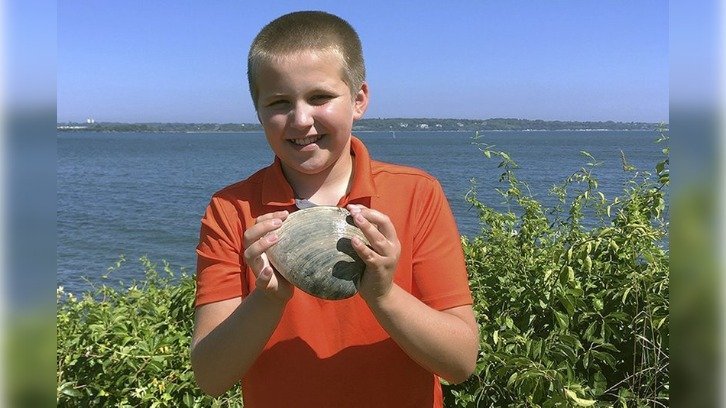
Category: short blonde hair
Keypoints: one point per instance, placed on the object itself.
(307, 30)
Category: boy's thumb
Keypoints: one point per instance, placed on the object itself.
(264, 277)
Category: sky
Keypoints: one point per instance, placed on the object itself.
(153, 61)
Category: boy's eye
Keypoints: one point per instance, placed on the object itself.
(277, 103)
(320, 99)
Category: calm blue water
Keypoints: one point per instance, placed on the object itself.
(136, 194)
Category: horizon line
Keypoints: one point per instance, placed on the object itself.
(388, 118)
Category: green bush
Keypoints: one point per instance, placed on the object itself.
(570, 314)
(130, 347)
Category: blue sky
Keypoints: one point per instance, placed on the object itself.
(151, 61)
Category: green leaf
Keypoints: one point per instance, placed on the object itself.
(568, 305)
(606, 358)
(660, 167)
(580, 402)
(561, 319)
(600, 383)
(536, 348)
(590, 331)
(625, 294)
(68, 388)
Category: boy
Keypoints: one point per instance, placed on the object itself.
(411, 321)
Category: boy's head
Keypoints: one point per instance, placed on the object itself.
(307, 30)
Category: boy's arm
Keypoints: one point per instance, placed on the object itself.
(444, 342)
(229, 335)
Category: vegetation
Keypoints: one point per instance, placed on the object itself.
(130, 347)
(392, 124)
(569, 315)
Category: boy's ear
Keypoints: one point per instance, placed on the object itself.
(360, 103)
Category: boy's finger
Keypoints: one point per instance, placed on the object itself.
(264, 277)
(264, 224)
(277, 214)
(381, 221)
(259, 230)
(254, 251)
(380, 243)
(368, 255)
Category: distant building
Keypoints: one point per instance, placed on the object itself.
(90, 121)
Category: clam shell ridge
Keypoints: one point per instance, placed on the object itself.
(314, 252)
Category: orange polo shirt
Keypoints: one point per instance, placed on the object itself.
(333, 353)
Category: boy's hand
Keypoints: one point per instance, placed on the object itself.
(257, 240)
(382, 260)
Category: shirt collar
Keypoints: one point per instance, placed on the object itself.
(276, 191)
(363, 184)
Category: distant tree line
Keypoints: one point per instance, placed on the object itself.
(390, 124)
(158, 127)
(427, 124)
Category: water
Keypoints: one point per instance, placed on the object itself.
(136, 194)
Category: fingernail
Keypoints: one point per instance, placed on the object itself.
(276, 222)
(353, 209)
(271, 238)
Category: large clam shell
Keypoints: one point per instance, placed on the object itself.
(314, 252)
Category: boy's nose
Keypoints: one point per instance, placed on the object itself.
(302, 116)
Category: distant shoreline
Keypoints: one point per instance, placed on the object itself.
(82, 130)
(375, 125)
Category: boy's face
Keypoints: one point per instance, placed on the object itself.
(307, 110)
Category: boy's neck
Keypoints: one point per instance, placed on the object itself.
(326, 187)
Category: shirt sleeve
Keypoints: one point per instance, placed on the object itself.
(439, 269)
(219, 255)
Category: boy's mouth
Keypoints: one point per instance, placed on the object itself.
(306, 140)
